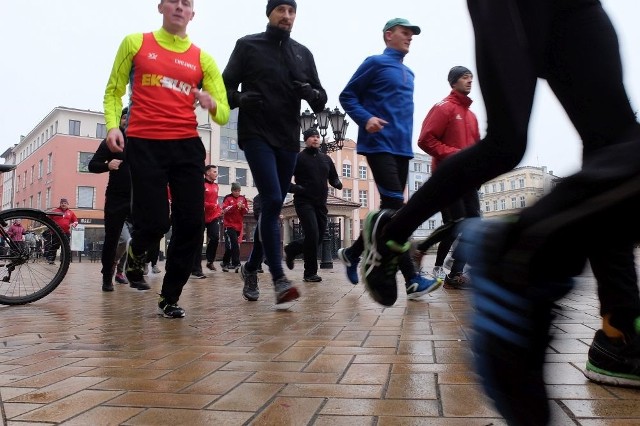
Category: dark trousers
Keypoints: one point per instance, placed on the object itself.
(272, 169)
(467, 206)
(231, 247)
(588, 215)
(180, 165)
(117, 208)
(390, 172)
(51, 245)
(313, 220)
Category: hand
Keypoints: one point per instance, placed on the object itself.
(205, 100)
(249, 100)
(114, 164)
(375, 124)
(305, 91)
(115, 140)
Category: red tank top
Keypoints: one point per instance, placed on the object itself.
(162, 92)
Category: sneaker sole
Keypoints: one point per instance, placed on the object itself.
(287, 297)
(433, 287)
(606, 377)
(161, 312)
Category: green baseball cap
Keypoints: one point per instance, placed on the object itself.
(402, 22)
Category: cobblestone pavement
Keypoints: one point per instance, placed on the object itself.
(84, 357)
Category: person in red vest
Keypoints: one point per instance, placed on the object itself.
(168, 77)
(234, 207)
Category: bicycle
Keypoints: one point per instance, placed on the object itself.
(27, 275)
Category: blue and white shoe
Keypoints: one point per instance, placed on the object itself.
(350, 263)
(420, 285)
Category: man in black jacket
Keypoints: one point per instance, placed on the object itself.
(313, 170)
(117, 204)
(276, 73)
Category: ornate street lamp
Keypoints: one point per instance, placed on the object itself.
(321, 122)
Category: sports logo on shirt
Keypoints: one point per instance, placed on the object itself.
(158, 80)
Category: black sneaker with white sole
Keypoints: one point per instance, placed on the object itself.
(170, 310)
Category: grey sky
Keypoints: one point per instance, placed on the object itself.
(60, 53)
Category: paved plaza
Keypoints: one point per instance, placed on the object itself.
(84, 357)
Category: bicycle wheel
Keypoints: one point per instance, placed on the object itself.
(27, 274)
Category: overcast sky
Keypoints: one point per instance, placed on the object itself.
(60, 53)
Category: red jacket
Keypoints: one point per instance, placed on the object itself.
(234, 209)
(65, 221)
(212, 209)
(448, 127)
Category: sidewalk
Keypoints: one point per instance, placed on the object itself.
(84, 357)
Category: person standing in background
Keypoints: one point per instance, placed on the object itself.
(234, 207)
(168, 77)
(66, 220)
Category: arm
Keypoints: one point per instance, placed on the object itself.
(213, 85)
(433, 129)
(334, 180)
(99, 163)
(116, 87)
(351, 96)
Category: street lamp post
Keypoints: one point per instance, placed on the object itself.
(321, 121)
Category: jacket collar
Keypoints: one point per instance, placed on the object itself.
(277, 34)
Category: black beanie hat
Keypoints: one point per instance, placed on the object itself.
(310, 132)
(456, 72)
(272, 4)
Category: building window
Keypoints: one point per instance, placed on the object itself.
(495, 205)
(229, 149)
(486, 206)
(40, 169)
(101, 131)
(33, 172)
(513, 203)
(39, 201)
(503, 204)
(523, 204)
(31, 201)
(521, 180)
(431, 224)
(501, 186)
(362, 195)
(416, 185)
(83, 161)
(86, 197)
(362, 172)
(47, 199)
(332, 191)
(49, 163)
(74, 127)
(223, 175)
(417, 167)
(24, 181)
(346, 170)
(241, 176)
(347, 194)
(17, 183)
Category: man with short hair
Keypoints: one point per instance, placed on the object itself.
(379, 98)
(168, 77)
(276, 73)
(66, 220)
(449, 127)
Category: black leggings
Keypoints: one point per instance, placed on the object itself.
(573, 45)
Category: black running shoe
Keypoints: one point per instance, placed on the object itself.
(250, 291)
(615, 362)
(170, 310)
(289, 258)
(135, 270)
(107, 284)
(315, 278)
(379, 264)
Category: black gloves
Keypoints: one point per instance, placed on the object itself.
(305, 91)
(247, 100)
